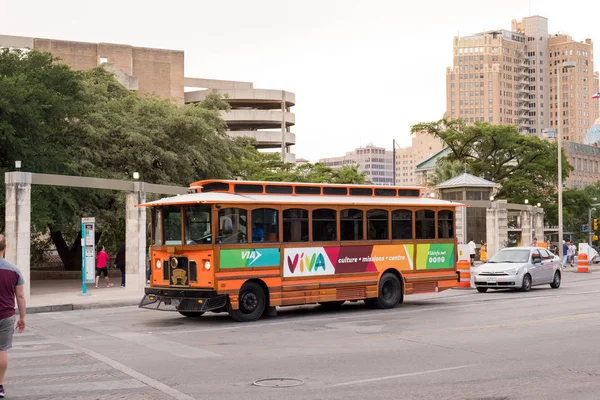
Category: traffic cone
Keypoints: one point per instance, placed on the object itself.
(464, 269)
(582, 263)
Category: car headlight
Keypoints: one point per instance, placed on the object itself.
(514, 271)
(158, 264)
(476, 271)
(207, 265)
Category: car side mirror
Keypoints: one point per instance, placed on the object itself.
(537, 260)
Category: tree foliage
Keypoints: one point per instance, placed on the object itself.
(444, 170)
(524, 166)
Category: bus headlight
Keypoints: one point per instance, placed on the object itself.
(207, 265)
(158, 264)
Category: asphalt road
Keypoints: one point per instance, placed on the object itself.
(458, 344)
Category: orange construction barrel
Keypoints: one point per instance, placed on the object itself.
(464, 269)
(582, 263)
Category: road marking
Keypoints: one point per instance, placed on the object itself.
(57, 370)
(87, 386)
(49, 353)
(174, 393)
(382, 378)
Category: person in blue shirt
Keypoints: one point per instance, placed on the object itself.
(258, 234)
(565, 251)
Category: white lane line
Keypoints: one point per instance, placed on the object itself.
(382, 378)
(49, 353)
(174, 393)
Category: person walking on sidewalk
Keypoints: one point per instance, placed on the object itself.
(483, 251)
(120, 263)
(565, 246)
(102, 266)
(11, 285)
(572, 251)
(472, 251)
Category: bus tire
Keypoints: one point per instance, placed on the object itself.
(252, 303)
(389, 293)
(191, 314)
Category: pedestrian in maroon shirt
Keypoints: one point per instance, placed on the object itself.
(102, 266)
(11, 285)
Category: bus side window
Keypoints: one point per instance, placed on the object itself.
(295, 225)
(233, 225)
(377, 225)
(351, 224)
(402, 224)
(265, 225)
(324, 225)
(425, 223)
(445, 224)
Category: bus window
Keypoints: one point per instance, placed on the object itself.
(197, 225)
(233, 225)
(295, 225)
(265, 226)
(324, 225)
(402, 224)
(377, 225)
(172, 221)
(425, 223)
(445, 224)
(351, 224)
(156, 226)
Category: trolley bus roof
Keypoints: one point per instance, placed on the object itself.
(234, 198)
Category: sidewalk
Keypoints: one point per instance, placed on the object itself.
(65, 295)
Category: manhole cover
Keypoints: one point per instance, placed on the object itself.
(278, 382)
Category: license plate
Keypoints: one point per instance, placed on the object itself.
(491, 280)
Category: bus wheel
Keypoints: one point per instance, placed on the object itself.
(390, 292)
(332, 305)
(252, 303)
(191, 314)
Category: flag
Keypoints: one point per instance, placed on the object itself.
(596, 96)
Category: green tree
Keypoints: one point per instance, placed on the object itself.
(444, 170)
(524, 166)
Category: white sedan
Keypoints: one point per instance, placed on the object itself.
(519, 268)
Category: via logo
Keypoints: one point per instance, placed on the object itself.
(251, 255)
(302, 262)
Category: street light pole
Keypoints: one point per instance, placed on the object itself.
(566, 65)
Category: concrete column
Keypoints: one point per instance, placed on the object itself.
(135, 239)
(526, 227)
(18, 223)
(538, 224)
(496, 227)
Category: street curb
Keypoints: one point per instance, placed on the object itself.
(88, 306)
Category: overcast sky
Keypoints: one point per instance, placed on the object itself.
(362, 70)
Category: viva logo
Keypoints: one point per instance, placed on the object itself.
(302, 263)
(251, 255)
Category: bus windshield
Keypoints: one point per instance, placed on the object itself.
(197, 225)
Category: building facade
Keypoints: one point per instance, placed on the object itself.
(422, 147)
(510, 77)
(261, 114)
(375, 162)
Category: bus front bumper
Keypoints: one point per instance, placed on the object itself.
(184, 300)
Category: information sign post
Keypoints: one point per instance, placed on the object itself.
(88, 253)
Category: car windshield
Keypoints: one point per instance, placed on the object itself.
(511, 255)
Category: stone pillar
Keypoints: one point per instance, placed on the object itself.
(135, 239)
(538, 224)
(496, 227)
(18, 223)
(526, 227)
(461, 225)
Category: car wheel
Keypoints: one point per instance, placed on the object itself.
(556, 282)
(390, 292)
(482, 289)
(526, 286)
(252, 303)
(191, 314)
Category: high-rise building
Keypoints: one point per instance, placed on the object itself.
(510, 77)
(375, 162)
(423, 146)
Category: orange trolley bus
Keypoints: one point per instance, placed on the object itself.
(246, 247)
